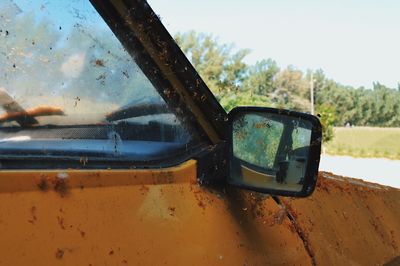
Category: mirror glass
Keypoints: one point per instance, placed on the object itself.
(270, 150)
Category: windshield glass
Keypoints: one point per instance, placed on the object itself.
(65, 77)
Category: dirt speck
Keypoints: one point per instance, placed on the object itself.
(99, 63)
(82, 233)
(59, 254)
(101, 77)
(171, 211)
(42, 184)
(201, 205)
(144, 189)
(77, 99)
(125, 73)
(280, 216)
(61, 222)
(33, 215)
(61, 186)
(83, 160)
(111, 252)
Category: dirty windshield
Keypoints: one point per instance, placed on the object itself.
(67, 84)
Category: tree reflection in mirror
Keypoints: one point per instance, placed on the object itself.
(270, 151)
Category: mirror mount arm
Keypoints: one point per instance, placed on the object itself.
(212, 164)
(284, 146)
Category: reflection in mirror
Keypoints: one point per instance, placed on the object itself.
(270, 151)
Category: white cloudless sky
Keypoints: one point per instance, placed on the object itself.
(355, 42)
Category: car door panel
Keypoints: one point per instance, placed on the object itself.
(141, 217)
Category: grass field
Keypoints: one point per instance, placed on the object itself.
(365, 142)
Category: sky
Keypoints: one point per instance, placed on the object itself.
(355, 42)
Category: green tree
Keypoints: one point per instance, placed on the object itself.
(327, 116)
(265, 84)
(219, 65)
(291, 89)
(261, 77)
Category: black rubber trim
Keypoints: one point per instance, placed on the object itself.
(15, 162)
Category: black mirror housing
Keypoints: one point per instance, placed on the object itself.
(273, 151)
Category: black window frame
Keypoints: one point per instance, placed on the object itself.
(143, 35)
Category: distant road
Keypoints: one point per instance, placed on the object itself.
(376, 170)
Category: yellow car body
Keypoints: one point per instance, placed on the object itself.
(80, 213)
(138, 217)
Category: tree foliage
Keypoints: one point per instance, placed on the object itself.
(221, 68)
(327, 115)
(265, 84)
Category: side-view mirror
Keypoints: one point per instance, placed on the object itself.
(274, 151)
